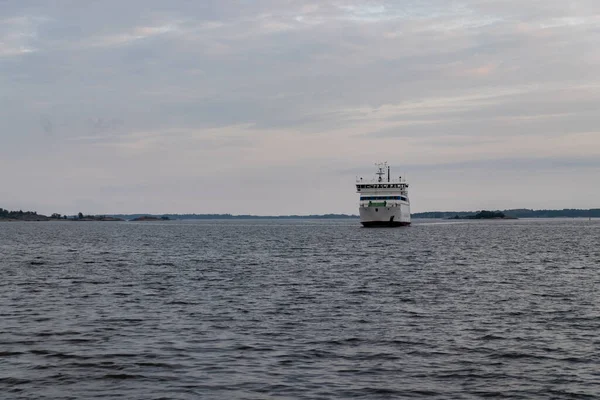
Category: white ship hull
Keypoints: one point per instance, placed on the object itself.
(385, 216)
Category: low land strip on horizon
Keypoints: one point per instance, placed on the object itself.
(6, 215)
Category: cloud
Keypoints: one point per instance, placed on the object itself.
(129, 37)
(18, 35)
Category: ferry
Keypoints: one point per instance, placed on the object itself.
(383, 200)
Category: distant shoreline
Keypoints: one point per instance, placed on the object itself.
(15, 216)
(509, 214)
(515, 213)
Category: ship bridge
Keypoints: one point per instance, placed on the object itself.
(383, 182)
(381, 185)
(361, 186)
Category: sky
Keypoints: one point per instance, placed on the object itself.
(273, 107)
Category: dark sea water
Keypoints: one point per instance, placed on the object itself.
(300, 309)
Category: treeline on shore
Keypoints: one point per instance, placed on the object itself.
(517, 213)
(34, 216)
(21, 215)
(232, 216)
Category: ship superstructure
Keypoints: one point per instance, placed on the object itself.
(383, 200)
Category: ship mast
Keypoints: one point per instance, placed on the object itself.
(381, 167)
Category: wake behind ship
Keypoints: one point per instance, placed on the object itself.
(383, 201)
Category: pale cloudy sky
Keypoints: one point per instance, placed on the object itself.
(274, 106)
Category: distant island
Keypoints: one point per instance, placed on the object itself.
(515, 213)
(485, 215)
(150, 218)
(96, 218)
(81, 217)
(133, 217)
(21, 215)
(6, 215)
